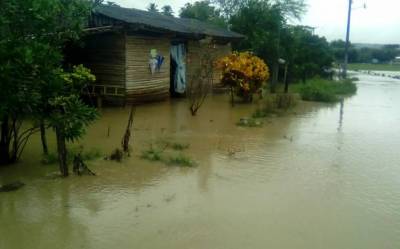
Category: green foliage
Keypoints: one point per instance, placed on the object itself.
(92, 154)
(180, 160)
(32, 35)
(152, 154)
(165, 152)
(383, 54)
(152, 7)
(179, 146)
(321, 90)
(167, 10)
(67, 111)
(375, 67)
(317, 90)
(203, 11)
(78, 79)
(269, 36)
(71, 116)
(345, 87)
(309, 55)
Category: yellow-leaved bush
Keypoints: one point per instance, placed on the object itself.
(244, 72)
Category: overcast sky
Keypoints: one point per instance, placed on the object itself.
(379, 23)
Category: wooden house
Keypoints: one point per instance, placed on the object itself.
(140, 56)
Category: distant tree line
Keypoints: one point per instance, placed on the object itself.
(385, 54)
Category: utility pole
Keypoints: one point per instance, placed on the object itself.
(346, 50)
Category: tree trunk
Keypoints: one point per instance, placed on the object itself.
(275, 77)
(14, 153)
(62, 152)
(285, 81)
(4, 142)
(43, 137)
(232, 98)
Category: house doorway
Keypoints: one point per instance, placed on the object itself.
(178, 69)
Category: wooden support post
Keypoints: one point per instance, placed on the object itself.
(99, 100)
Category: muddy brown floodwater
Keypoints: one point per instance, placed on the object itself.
(323, 176)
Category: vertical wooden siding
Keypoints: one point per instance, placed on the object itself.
(105, 56)
(141, 85)
(195, 51)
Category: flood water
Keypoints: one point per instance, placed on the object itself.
(322, 176)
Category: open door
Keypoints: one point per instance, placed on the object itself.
(178, 69)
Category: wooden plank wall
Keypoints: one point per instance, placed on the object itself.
(105, 56)
(141, 85)
(193, 59)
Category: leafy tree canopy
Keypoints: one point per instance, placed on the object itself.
(167, 10)
(152, 7)
(203, 11)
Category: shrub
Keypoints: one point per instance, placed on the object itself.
(317, 90)
(345, 87)
(243, 72)
(322, 90)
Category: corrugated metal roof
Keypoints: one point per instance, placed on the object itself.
(159, 21)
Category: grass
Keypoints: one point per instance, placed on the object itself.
(179, 146)
(322, 90)
(166, 143)
(180, 160)
(165, 152)
(87, 155)
(374, 67)
(152, 154)
(273, 104)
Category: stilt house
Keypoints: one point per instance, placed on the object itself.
(140, 56)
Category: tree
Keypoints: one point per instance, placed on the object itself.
(167, 10)
(338, 48)
(32, 34)
(311, 54)
(152, 7)
(262, 23)
(203, 11)
(113, 4)
(269, 36)
(291, 9)
(201, 81)
(69, 116)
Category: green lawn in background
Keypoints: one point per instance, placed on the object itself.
(375, 67)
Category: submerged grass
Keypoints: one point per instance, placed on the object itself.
(165, 152)
(374, 67)
(322, 90)
(86, 155)
(152, 154)
(274, 104)
(180, 160)
(179, 146)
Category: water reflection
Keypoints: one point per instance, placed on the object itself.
(341, 114)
